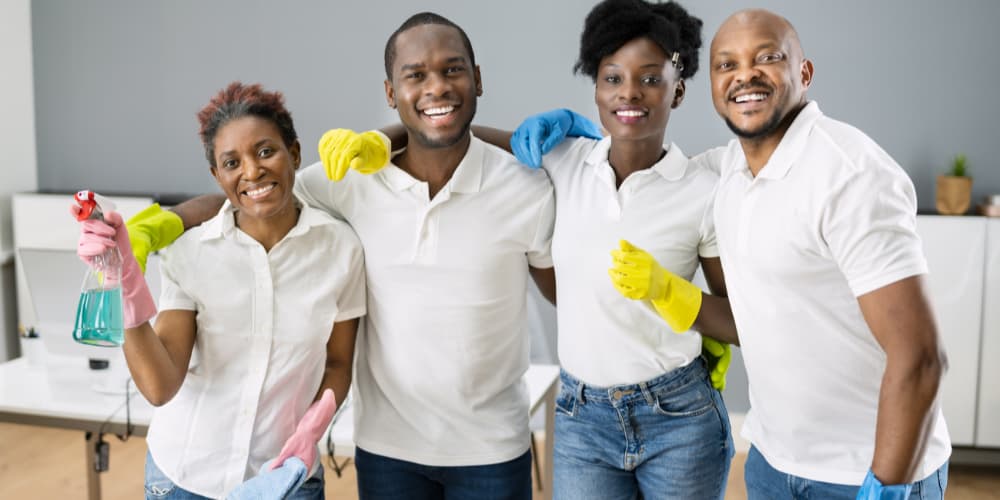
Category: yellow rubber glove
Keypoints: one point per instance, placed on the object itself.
(718, 356)
(637, 275)
(152, 229)
(341, 149)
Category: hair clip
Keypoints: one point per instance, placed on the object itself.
(676, 60)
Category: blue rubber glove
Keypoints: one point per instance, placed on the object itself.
(538, 134)
(872, 489)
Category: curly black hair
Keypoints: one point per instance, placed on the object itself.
(613, 23)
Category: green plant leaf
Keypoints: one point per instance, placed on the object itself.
(958, 166)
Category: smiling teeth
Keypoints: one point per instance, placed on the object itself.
(439, 111)
(259, 191)
(630, 113)
(750, 97)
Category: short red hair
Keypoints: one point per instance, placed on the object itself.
(236, 101)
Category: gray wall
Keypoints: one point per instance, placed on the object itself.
(118, 82)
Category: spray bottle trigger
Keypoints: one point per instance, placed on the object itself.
(92, 205)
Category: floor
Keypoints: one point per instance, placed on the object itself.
(44, 463)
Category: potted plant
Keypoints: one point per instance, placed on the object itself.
(954, 189)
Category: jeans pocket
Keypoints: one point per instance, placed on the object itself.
(690, 400)
(157, 485)
(566, 401)
(312, 489)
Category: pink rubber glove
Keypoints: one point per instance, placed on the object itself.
(98, 236)
(302, 443)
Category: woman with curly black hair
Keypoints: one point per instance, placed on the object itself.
(637, 413)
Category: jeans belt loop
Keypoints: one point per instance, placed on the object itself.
(579, 393)
(646, 393)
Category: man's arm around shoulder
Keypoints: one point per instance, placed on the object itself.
(197, 210)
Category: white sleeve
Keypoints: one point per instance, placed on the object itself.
(711, 162)
(708, 247)
(570, 153)
(540, 253)
(316, 190)
(869, 225)
(711, 159)
(172, 296)
(352, 300)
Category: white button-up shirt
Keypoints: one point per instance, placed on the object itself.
(830, 217)
(439, 366)
(604, 338)
(263, 321)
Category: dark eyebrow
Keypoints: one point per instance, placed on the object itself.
(644, 66)
(410, 67)
(766, 45)
(256, 145)
(770, 45)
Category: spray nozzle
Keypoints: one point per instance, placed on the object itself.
(92, 205)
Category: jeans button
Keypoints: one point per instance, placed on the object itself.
(617, 395)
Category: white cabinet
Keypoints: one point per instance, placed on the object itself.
(988, 428)
(955, 249)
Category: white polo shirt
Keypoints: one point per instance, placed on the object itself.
(829, 218)
(263, 322)
(604, 338)
(439, 366)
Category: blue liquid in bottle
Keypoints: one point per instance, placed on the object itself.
(99, 318)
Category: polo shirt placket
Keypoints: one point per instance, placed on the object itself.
(427, 235)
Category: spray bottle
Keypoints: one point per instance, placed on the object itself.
(99, 318)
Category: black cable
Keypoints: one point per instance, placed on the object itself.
(129, 428)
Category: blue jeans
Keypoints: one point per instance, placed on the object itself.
(384, 478)
(665, 438)
(160, 487)
(767, 483)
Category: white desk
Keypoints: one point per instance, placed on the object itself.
(59, 393)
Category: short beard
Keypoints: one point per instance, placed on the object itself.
(443, 142)
(763, 131)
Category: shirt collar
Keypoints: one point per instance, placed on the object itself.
(671, 167)
(467, 177)
(223, 225)
(791, 145)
